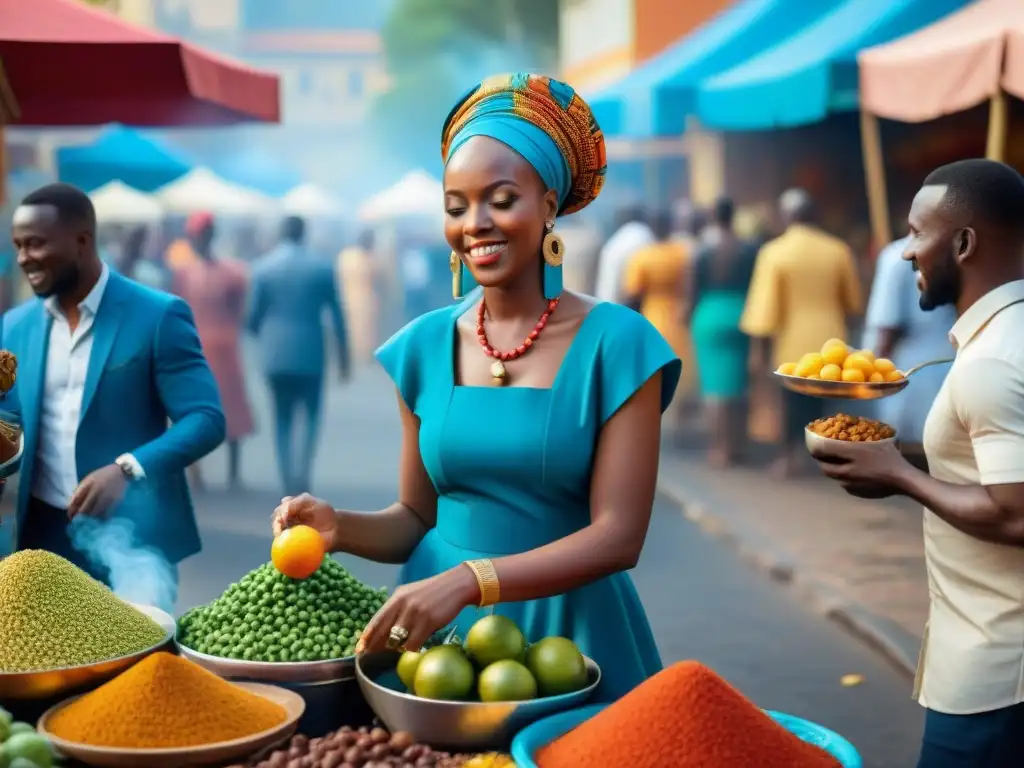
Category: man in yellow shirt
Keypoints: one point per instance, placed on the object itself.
(805, 286)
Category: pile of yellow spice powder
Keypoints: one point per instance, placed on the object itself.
(164, 702)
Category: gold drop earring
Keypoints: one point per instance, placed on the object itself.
(455, 264)
(553, 247)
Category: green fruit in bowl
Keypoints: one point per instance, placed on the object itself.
(506, 680)
(558, 665)
(494, 638)
(444, 673)
(23, 762)
(19, 727)
(408, 663)
(31, 747)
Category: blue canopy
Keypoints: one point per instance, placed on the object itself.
(813, 73)
(121, 154)
(259, 169)
(656, 98)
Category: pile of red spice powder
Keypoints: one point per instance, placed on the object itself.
(686, 716)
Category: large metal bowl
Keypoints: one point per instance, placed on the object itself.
(13, 464)
(329, 671)
(842, 390)
(464, 726)
(48, 683)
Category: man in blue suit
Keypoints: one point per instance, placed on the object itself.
(291, 292)
(103, 364)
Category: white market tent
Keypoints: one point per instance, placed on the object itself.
(117, 203)
(203, 190)
(311, 201)
(417, 194)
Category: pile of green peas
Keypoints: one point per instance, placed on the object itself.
(267, 616)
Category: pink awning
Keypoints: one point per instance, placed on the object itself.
(69, 64)
(950, 66)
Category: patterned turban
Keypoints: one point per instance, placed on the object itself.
(543, 120)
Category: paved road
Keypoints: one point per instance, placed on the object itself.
(704, 603)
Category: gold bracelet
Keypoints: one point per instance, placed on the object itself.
(487, 579)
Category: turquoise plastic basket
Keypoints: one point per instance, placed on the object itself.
(529, 740)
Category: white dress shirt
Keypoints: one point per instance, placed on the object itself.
(615, 256)
(67, 361)
(972, 657)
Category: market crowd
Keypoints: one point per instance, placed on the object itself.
(140, 377)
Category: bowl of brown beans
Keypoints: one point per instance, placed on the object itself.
(856, 430)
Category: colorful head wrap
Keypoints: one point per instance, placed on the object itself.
(542, 119)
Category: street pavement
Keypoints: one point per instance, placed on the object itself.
(703, 600)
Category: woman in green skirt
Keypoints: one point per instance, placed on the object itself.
(718, 292)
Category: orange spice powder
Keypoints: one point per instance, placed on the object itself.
(686, 716)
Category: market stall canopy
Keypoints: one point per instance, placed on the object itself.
(656, 99)
(116, 202)
(311, 201)
(814, 73)
(121, 154)
(417, 194)
(259, 169)
(203, 190)
(951, 66)
(70, 64)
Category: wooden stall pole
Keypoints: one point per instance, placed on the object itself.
(8, 114)
(998, 123)
(874, 178)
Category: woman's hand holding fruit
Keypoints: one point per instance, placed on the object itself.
(308, 510)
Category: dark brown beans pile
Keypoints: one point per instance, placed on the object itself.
(362, 748)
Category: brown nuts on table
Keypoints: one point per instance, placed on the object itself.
(362, 748)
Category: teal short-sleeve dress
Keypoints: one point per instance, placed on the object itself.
(512, 468)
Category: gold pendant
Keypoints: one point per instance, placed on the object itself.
(499, 372)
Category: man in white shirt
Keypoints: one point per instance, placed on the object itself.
(966, 241)
(632, 235)
(103, 365)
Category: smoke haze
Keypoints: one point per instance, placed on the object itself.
(137, 574)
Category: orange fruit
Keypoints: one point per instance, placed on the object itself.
(894, 376)
(858, 362)
(834, 342)
(876, 377)
(786, 369)
(884, 365)
(831, 372)
(835, 354)
(854, 375)
(298, 552)
(809, 365)
(867, 354)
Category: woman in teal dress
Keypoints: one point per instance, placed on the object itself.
(531, 416)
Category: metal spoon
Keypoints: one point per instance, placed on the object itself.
(910, 372)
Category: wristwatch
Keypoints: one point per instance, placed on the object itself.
(130, 467)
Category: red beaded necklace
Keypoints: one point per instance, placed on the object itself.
(498, 370)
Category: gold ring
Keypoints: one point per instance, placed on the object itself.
(397, 637)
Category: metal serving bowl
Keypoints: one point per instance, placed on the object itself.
(43, 684)
(814, 441)
(842, 390)
(328, 671)
(464, 726)
(329, 688)
(12, 465)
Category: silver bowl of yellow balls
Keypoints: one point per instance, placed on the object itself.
(842, 372)
(476, 695)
